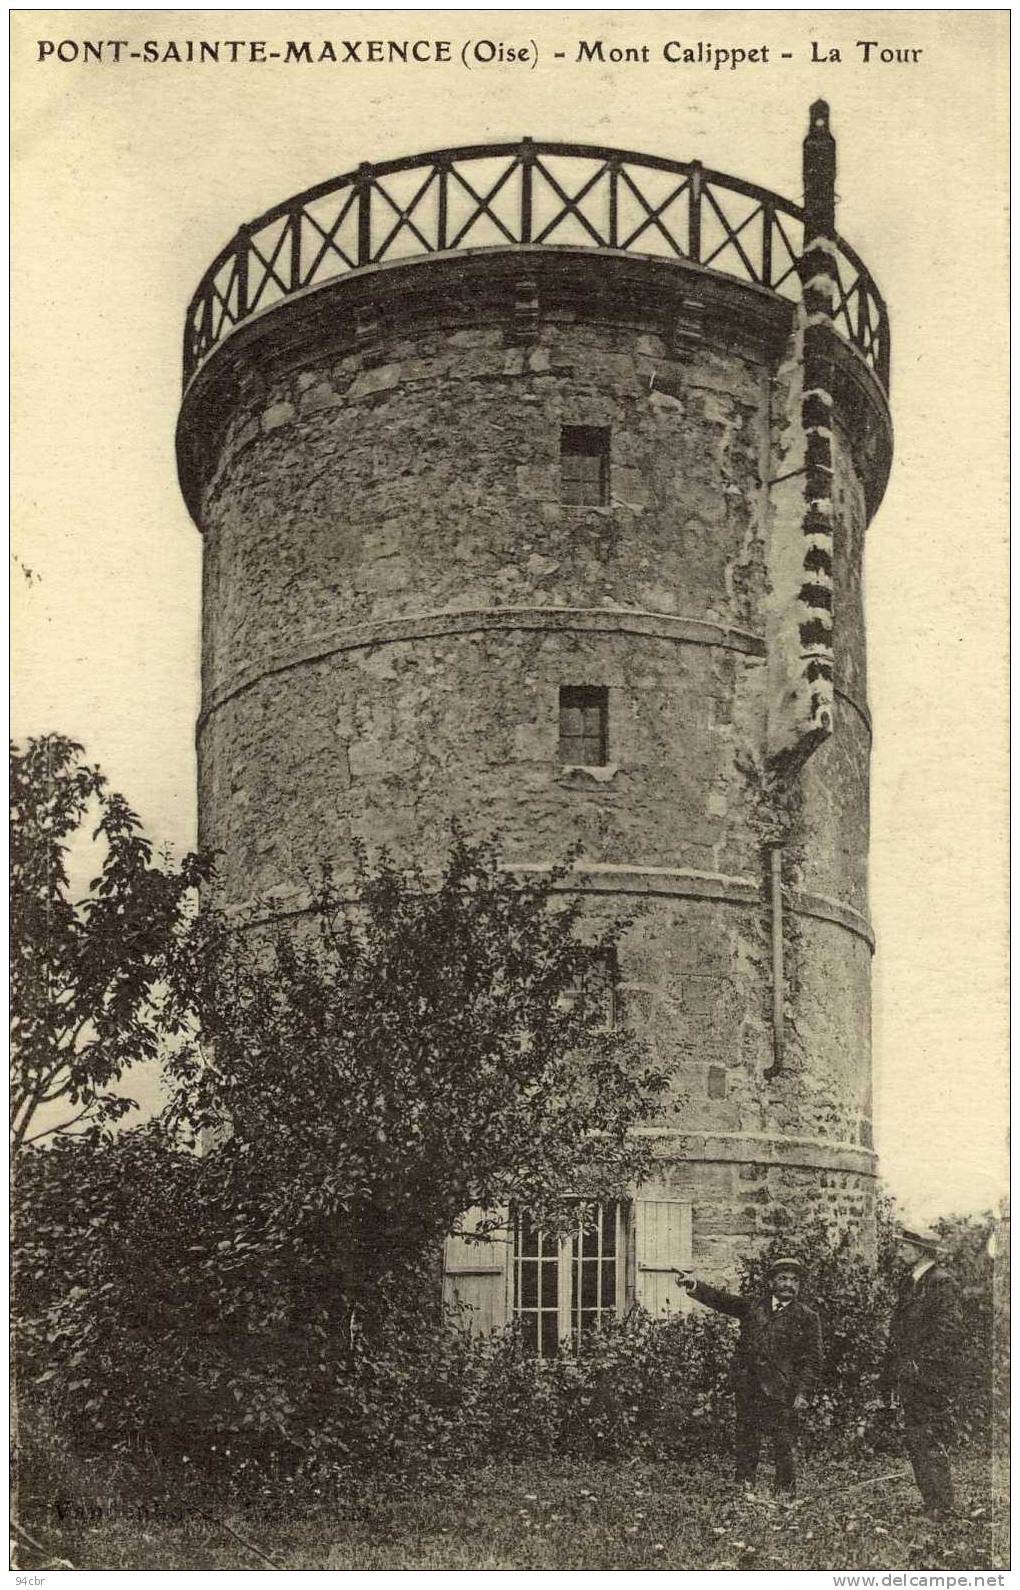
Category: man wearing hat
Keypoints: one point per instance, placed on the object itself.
(775, 1366)
(918, 1365)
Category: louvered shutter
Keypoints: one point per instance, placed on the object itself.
(662, 1243)
(477, 1274)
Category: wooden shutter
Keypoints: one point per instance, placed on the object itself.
(478, 1273)
(662, 1244)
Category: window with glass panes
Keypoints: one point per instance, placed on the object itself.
(537, 1287)
(584, 725)
(597, 1268)
(564, 1287)
(584, 464)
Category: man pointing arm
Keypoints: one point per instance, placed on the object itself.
(775, 1367)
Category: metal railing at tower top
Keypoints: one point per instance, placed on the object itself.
(528, 193)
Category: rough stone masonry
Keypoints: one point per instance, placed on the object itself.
(396, 593)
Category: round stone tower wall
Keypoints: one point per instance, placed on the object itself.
(397, 592)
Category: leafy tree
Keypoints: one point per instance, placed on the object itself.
(85, 972)
(440, 1044)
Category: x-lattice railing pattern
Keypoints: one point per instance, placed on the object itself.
(493, 195)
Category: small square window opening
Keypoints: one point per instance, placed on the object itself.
(599, 983)
(584, 726)
(584, 464)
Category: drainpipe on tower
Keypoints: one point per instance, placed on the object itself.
(778, 972)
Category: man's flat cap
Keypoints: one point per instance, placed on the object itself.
(921, 1237)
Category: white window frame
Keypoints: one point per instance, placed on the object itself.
(569, 1295)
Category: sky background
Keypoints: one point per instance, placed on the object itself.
(129, 178)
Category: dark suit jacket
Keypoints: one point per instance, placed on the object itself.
(922, 1335)
(778, 1354)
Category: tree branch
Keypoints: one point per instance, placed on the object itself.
(62, 1127)
(33, 1097)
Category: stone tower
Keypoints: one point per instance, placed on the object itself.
(533, 482)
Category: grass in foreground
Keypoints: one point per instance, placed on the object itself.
(574, 1514)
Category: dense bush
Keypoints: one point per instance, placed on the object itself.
(151, 1335)
(152, 1324)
